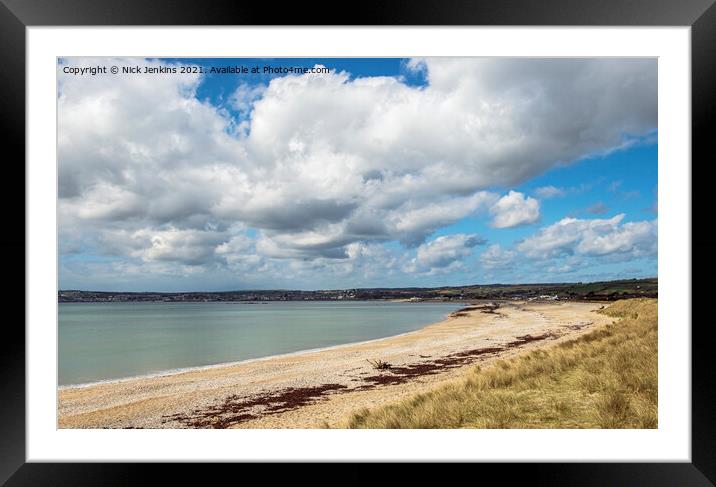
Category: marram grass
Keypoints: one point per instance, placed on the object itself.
(604, 379)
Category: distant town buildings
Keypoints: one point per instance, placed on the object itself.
(602, 291)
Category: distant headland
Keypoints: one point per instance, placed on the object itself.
(592, 291)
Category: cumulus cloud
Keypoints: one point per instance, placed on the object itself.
(495, 257)
(184, 246)
(597, 237)
(514, 209)
(416, 224)
(443, 253)
(243, 98)
(324, 165)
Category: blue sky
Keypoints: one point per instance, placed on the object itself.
(382, 172)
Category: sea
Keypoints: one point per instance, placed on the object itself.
(108, 341)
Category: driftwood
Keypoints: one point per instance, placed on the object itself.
(379, 364)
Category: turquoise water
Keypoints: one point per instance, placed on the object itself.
(100, 341)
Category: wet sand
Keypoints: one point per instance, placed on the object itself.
(322, 388)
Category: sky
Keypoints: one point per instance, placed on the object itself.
(355, 173)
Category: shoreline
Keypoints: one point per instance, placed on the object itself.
(318, 387)
(199, 368)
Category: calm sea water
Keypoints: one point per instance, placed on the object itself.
(99, 341)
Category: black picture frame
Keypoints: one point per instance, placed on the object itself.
(700, 15)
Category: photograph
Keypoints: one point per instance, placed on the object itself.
(345, 243)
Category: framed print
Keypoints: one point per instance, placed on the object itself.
(465, 230)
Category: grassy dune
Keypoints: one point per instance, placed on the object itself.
(604, 379)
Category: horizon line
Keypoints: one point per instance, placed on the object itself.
(365, 288)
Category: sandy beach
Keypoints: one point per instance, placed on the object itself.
(321, 388)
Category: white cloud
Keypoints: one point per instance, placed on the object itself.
(547, 192)
(327, 162)
(243, 98)
(443, 253)
(495, 257)
(239, 251)
(424, 220)
(598, 237)
(190, 247)
(638, 238)
(514, 209)
(561, 269)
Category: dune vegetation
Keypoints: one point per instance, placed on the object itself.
(606, 378)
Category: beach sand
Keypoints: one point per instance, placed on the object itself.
(322, 388)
